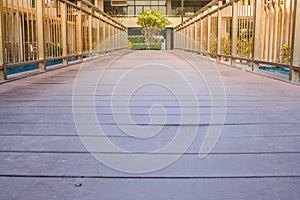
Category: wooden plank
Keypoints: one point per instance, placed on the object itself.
(259, 145)
(136, 189)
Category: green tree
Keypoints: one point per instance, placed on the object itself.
(152, 22)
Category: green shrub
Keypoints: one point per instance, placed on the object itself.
(129, 45)
(136, 38)
(285, 52)
(226, 44)
(55, 50)
(143, 46)
(213, 47)
(244, 47)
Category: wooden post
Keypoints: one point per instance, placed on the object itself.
(208, 32)
(219, 50)
(40, 35)
(197, 32)
(201, 35)
(90, 34)
(195, 35)
(193, 42)
(295, 50)
(257, 33)
(3, 75)
(175, 39)
(276, 57)
(187, 33)
(109, 37)
(234, 32)
(98, 36)
(79, 32)
(113, 38)
(190, 37)
(63, 8)
(104, 37)
(182, 41)
(178, 39)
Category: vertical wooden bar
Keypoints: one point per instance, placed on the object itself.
(187, 33)
(180, 38)
(101, 42)
(98, 36)
(90, 33)
(3, 75)
(257, 33)
(219, 31)
(234, 32)
(276, 29)
(201, 34)
(208, 32)
(295, 50)
(79, 32)
(177, 39)
(63, 10)
(196, 36)
(263, 34)
(190, 36)
(183, 38)
(40, 35)
(117, 39)
(109, 37)
(13, 34)
(104, 37)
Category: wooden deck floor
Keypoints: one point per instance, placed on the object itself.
(257, 155)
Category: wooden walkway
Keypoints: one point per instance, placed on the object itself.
(257, 155)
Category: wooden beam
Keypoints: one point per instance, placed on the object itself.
(234, 32)
(258, 12)
(201, 33)
(90, 34)
(63, 8)
(40, 35)
(295, 50)
(208, 32)
(79, 31)
(219, 31)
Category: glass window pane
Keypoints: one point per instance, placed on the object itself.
(154, 7)
(139, 9)
(131, 10)
(163, 10)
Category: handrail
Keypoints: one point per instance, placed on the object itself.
(263, 32)
(56, 30)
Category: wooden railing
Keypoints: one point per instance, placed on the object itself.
(38, 31)
(253, 32)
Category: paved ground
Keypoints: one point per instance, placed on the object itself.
(256, 156)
